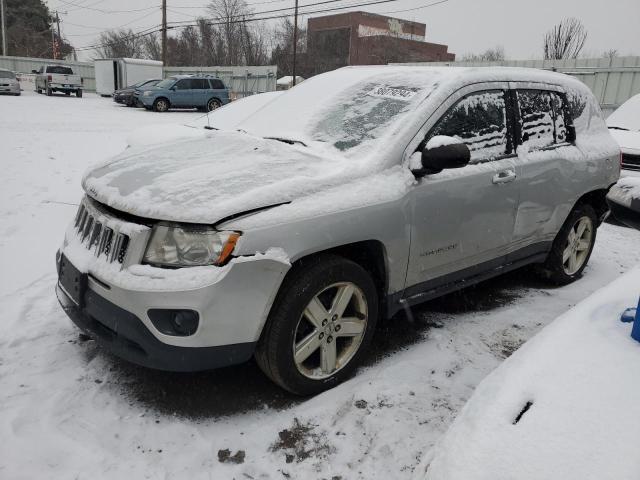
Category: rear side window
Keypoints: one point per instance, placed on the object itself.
(60, 70)
(543, 121)
(200, 84)
(480, 121)
(216, 84)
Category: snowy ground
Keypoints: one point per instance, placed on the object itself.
(68, 410)
(566, 405)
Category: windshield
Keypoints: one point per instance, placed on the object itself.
(60, 70)
(166, 83)
(5, 74)
(627, 116)
(349, 109)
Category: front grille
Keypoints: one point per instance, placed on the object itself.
(97, 236)
(630, 161)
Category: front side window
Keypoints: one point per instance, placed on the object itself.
(480, 121)
(184, 84)
(6, 74)
(166, 83)
(536, 119)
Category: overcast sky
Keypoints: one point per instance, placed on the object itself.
(464, 25)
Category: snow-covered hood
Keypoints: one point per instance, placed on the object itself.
(628, 140)
(204, 180)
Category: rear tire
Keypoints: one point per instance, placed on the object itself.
(161, 105)
(79, 93)
(49, 92)
(306, 355)
(213, 104)
(572, 247)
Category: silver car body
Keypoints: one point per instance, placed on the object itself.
(9, 83)
(430, 234)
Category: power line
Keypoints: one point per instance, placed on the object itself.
(178, 25)
(418, 8)
(87, 7)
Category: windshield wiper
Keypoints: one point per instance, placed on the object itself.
(619, 128)
(287, 140)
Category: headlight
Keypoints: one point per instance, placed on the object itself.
(189, 246)
(147, 93)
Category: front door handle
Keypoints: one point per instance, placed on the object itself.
(504, 176)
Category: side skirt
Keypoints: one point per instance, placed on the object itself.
(452, 282)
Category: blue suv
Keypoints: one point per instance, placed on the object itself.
(203, 92)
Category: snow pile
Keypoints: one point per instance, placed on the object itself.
(626, 190)
(566, 405)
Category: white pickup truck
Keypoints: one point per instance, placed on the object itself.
(57, 78)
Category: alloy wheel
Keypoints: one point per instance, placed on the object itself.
(578, 244)
(330, 330)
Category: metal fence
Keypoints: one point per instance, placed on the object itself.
(242, 81)
(613, 81)
(26, 64)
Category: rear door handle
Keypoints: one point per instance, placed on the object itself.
(504, 176)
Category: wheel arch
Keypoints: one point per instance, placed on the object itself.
(597, 200)
(371, 255)
(162, 97)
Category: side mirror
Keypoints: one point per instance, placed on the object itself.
(571, 133)
(442, 152)
(173, 89)
(34, 71)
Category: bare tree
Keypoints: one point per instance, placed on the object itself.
(565, 40)
(611, 54)
(120, 43)
(495, 54)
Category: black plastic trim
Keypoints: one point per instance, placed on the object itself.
(467, 277)
(124, 335)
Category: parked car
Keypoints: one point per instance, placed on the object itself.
(9, 83)
(58, 78)
(357, 194)
(184, 91)
(226, 118)
(125, 95)
(624, 201)
(624, 125)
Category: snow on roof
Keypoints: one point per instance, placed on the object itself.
(352, 108)
(579, 378)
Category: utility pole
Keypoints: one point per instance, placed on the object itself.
(4, 28)
(295, 42)
(164, 33)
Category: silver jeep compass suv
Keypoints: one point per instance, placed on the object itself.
(356, 194)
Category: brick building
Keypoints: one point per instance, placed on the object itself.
(361, 38)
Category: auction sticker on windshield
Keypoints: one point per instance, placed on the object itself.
(392, 92)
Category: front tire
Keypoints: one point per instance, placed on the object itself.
(161, 105)
(49, 92)
(320, 325)
(572, 247)
(79, 93)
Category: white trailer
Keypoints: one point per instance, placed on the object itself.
(115, 73)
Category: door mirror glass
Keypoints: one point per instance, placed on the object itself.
(442, 152)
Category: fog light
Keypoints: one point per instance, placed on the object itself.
(178, 323)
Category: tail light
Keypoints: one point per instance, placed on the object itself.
(49, 78)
